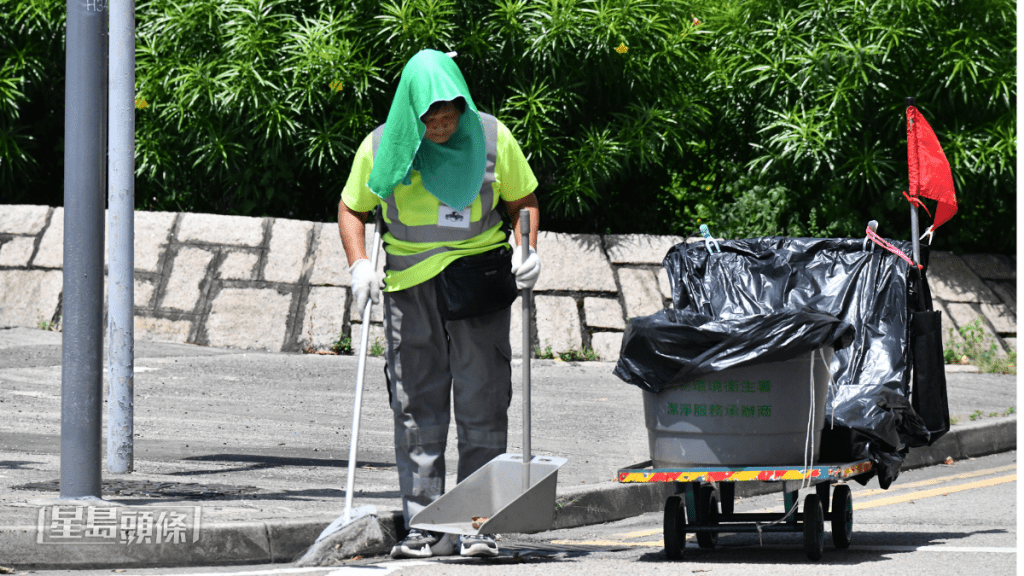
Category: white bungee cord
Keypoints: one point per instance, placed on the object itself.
(808, 455)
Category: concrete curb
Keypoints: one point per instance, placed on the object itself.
(285, 541)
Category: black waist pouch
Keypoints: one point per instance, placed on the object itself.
(476, 285)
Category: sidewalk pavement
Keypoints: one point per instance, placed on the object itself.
(240, 457)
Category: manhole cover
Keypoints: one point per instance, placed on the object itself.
(191, 491)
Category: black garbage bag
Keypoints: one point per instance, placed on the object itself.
(675, 346)
(866, 288)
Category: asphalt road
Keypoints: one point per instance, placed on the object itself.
(958, 519)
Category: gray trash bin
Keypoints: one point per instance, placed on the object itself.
(750, 416)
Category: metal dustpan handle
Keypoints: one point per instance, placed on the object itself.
(524, 228)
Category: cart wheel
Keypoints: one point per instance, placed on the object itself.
(727, 490)
(814, 527)
(842, 517)
(707, 515)
(675, 527)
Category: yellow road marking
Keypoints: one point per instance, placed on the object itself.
(935, 492)
(638, 534)
(933, 481)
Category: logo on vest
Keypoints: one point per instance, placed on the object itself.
(448, 217)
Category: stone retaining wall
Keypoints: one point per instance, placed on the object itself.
(281, 285)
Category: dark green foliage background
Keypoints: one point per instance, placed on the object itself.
(766, 117)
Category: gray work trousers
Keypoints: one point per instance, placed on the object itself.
(433, 365)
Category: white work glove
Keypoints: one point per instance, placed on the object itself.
(365, 284)
(526, 272)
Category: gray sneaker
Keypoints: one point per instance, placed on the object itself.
(423, 544)
(478, 546)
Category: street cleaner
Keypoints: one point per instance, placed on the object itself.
(442, 173)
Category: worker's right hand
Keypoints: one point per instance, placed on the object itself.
(365, 284)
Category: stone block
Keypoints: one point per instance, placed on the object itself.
(950, 335)
(558, 323)
(51, 248)
(515, 334)
(152, 230)
(23, 219)
(1011, 342)
(376, 336)
(607, 345)
(152, 234)
(187, 272)
(250, 318)
(952, 280)
(289, 243)
(238, 265)
(603, 313)
(330, 266)
(999, 315)
(28, 297)
(991, 266)
(161, 329)
(1006, 290)
(17, 251)
(640, 291)
(638, 248)
(216, 229)
(573, 262)
(964, 314)
(143, 293)
(664, 284)
(324, 317)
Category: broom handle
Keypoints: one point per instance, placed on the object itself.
(364, 340)
(524, 227)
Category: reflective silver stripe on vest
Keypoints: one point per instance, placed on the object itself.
(396, 262)
(489, 216)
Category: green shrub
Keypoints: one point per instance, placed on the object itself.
(979, 349)
(377, 348)
(342, 345)
(545, 354)
(587, 354)
(754, 116)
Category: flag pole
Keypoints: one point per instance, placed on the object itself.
(915, 226)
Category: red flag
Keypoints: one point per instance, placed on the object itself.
(930, 175)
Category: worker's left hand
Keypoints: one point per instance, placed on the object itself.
(526, 272)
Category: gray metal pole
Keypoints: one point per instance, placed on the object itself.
(85, 144)
(524, 227)
(915, 227)
(120, 255)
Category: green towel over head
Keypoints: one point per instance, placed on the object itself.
(453, 171)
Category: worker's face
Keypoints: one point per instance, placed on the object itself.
(442, 124)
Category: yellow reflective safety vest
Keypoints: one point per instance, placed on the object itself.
(424, 236)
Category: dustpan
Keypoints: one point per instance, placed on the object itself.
(508, 494)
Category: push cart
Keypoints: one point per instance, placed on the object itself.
(703, 503)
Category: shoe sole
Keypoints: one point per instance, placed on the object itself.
(479, 551)
(399, 553)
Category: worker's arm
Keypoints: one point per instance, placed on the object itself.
(530, 203)
(352, 226)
